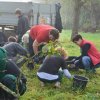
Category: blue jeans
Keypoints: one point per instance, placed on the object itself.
(86, 63)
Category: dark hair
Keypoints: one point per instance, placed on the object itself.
(12, 39)
(18, 11)
(54, 33)
(76, 37)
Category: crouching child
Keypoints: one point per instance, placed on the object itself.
(49, 71)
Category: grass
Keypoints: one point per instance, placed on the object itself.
(92, 91)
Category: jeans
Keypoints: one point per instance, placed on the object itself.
(86, 63)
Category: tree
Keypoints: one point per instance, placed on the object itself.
(77, 8)
(75, 27)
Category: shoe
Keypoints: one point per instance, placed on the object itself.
(57, 85)
(42, 84)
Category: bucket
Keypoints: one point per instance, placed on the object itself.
(79, 82)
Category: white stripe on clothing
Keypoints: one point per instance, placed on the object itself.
(47, 76)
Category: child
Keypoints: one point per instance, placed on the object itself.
(90, 56)
(9, 72)
(13, 48)
(49, 70)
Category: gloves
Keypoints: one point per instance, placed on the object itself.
(36, 59)
(73, 60)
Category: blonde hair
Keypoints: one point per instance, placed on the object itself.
(61, 51)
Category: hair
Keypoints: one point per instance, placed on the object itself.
(54, 33)
(18, 11)
(12, 39)
(76, 37)
(61, 51)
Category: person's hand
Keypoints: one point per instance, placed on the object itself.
(16, 37)
(36, 59)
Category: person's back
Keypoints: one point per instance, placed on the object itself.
(13, 49)
(24, 20)
(40, 29)
(49, 71)
(52, 65)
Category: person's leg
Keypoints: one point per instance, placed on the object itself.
(30, 48)
(87, 63)
(58, 81)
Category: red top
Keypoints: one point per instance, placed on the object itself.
(93, 53)
(41, 33)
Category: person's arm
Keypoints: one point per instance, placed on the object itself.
(84, 52)
(35, 46)
(64, 68)
(85, 49)
(67, 73)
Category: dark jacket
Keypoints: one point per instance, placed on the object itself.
(23, 25)
(58, 21)
(13, 49)
(3, 39)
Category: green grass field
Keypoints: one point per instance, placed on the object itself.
(92, 91)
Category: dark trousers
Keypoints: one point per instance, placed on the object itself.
(86, 63)
(30, 48)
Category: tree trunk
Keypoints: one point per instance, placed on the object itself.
(93, 17)
(77, 7)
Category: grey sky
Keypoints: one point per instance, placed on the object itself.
(36, 1)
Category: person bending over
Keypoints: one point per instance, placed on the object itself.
(49, 71)
(13, 48)
(40, 34)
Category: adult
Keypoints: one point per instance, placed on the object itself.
(90, 56)
(3, 39)
(23, 24)
(40, 34)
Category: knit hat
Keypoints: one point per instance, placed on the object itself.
(3, 56)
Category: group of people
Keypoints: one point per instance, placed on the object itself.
(52, 67)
